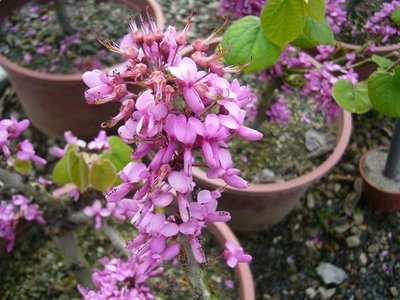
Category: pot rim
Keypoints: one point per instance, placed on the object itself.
(58, 77)
(365, 178)
(345, 126)
(242, 270)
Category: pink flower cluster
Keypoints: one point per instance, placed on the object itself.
(319, 83)
(119, 280)
(11, 129)
(186, 109)
(11, 212)
(278, 112)
(336, 15)
(241, 8)
(380, 24)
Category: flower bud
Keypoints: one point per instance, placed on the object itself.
(199, 45)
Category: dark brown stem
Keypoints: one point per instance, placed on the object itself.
(73, 257)
(62, 17)
(265, 101)
(194, 272)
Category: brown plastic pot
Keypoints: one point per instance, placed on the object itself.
(376, 197)
(262, 205)
(365, 70)
(55, 102)
(246, 284)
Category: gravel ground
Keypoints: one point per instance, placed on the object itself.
(330, 224)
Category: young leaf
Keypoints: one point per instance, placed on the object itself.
(352, 98)
(60, 171)
(22, 166)
(384, 92)
(246, 42)
(382, 62)
(102, 174)
(396, 16)
(283, 20)
(315, 9)
(78, 170)
(314, 33)
(119, 154)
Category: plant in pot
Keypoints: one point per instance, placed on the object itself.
(170, 122)
(45, 46)
(364, 28)
(379, 168)
(263, 41)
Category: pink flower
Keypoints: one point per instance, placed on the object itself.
(186, 71)
(97, 211)
(233, 255)
(26, 152)
(100, 142)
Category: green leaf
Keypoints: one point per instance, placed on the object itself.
(384, 92)
(78, 170)
(119, 154)
(60, 171)
(315, 9)
(352, 98)
(382, 62)
(283, 20)
(315, 33)
(102, 174)
(396, 16)
(22, 166)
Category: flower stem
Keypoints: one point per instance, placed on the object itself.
(195, 273)
(393, 160)
(63, 17)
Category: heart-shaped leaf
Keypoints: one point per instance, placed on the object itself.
(395, 16)
(246, 42)
(60, 171)
(102, 174)
(315, 9)
(384, 92)
(353, 98)
(119, 153)
(315, 33)
(283, 20)
(22, 166)
(382, 62)
(78, 170)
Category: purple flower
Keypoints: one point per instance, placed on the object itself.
(26, 152)
(100, 142)
(278, 112)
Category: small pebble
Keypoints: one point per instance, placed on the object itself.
(330, 273)
(353, 241)
(310, 201)
(363, 258)
(326, 293)
(373, 249)
(311, 292)
(394, 292)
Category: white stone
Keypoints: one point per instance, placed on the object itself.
(363, 258)
(330, 273)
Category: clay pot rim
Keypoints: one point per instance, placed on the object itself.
(8, 64)
(242, 270)
(344, 138)
(365, 178)
(378, 49)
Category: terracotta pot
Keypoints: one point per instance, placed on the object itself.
(55, 102)
(376, 197)
(262, 205)
(246, 284)
(365, 70)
